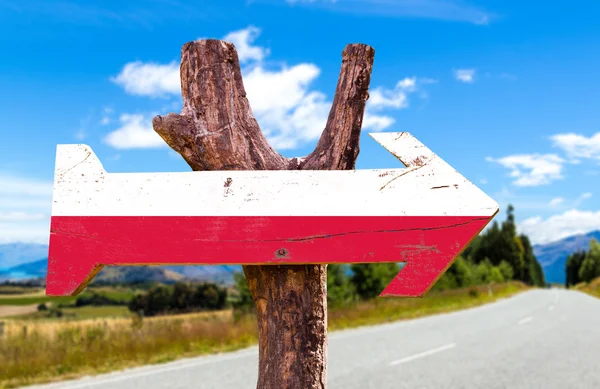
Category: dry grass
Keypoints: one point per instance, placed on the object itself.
(66, 349)
(592, 288)
(52, 327)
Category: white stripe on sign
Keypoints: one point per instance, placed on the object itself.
(427, 187)
(423, 354)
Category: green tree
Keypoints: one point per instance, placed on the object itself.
(182, 297)
(483, 272)
(496, 275)
(510, 247)
(156, 300)
(457, 276)
(370, 279)
(572, 267)
(590, 268)
(339, 288)
(463, 272)
(209, 296)
(244, 301)
(533, 273)
(506, 270)
(499, 244)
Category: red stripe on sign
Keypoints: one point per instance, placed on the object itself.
(79, 246)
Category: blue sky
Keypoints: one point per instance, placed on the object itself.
(507, 91)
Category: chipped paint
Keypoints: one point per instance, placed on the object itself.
(384, 215)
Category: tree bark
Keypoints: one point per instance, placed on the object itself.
(217, 131)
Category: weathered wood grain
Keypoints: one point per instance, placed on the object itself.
(217, 131)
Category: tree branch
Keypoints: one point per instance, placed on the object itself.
(338, 146)
(217, 131)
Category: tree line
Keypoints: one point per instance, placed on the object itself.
(496, 255)
(179, 298)
(583, 266)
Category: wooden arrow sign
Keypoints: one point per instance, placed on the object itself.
(424, 215)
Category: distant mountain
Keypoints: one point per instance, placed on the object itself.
(127, 274)
(553, 256)
(13, 254)
(219, 273)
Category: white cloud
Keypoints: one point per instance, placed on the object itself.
(578, 146)
(376, 122)
(20, 216)
(532, 169)
(559, 226)
(380, 98)
(149, 79)
(135, 132)
(556, 201)
(483, 181)
(25, 205)
(242, 40)
(26, 232)
(581, 199)
(12, 185)
(465, 75)
(289, 111)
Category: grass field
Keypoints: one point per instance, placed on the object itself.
(22, 303)
(592, 288)
(7, 290)
(41, 351)
(39, 296)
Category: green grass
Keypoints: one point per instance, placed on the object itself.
(36, 299)
(39, 297)
(17, 289)
(67, 351)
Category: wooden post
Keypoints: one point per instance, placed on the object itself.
(217, 131)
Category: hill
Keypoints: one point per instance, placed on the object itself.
(553, 256)
(14, 254)
(23, 268)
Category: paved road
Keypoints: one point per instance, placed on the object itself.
(546, 339)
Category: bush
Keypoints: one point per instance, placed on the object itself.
(97, 300)
(179, 299)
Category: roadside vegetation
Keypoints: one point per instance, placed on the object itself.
(50, 350)
(591, 288)
(108, 328)
(583, 267)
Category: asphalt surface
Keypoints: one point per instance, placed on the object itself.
(546, 339)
